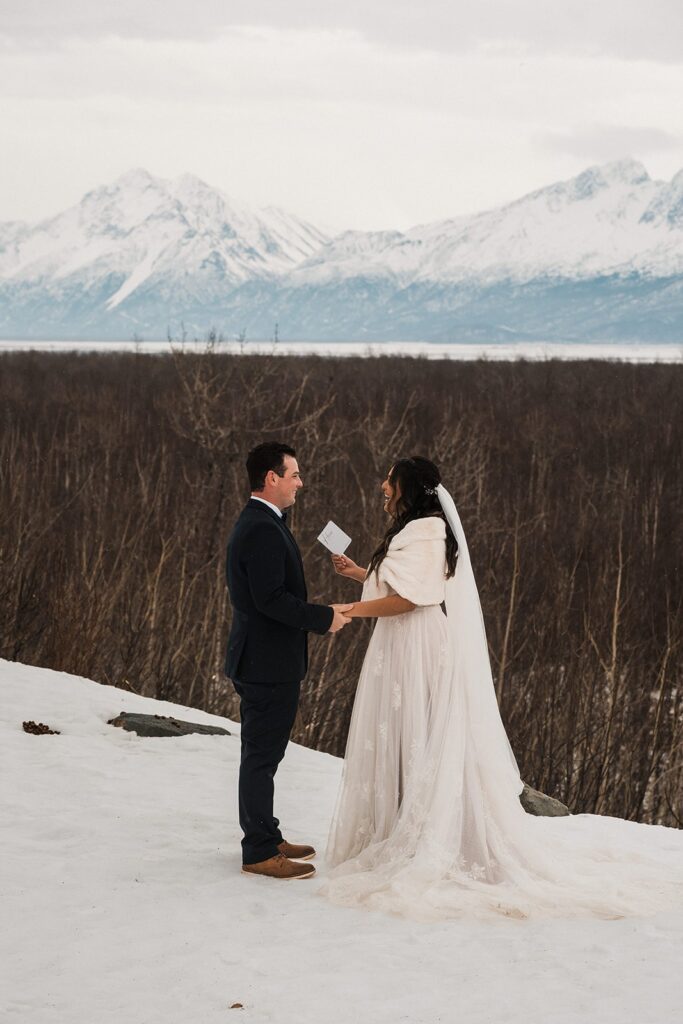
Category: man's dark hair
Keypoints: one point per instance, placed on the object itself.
(263, 458)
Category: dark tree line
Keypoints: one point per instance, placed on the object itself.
(121, 474)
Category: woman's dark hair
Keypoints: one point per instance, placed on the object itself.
(416, 479)
(263, 458)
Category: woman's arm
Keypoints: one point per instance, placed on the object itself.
(394, 604)
(347, 567)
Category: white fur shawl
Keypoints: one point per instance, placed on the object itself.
(415, 564)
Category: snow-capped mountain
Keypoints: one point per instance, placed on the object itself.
(148, 227)
(609, 220)
(146, 236)
(597, 257)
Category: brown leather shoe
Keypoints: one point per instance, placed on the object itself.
(279, 866)
(295, 852)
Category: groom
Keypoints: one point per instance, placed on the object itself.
(267, 650)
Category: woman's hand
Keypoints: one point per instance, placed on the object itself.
(347, 567)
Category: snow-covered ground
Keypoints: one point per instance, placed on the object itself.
(615, 351)
(122, 898)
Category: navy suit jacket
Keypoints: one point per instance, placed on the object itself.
(271, 615)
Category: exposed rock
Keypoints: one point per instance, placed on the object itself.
(39, 729)
(161, 725)
(541, 805)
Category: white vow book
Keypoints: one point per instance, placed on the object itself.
(334, 539)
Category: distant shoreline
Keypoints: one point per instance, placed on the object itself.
(637, 352)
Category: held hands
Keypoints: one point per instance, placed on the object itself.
(340, 619)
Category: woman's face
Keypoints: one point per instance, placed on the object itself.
(391, 495)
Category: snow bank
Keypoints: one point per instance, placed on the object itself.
(495, 351)
(122, 898)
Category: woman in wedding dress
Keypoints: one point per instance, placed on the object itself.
(428, 822)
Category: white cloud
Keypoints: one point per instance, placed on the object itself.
(611, 141)
(623, 28)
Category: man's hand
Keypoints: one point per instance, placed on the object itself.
(340, 619)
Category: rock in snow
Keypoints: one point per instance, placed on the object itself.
(163, 725)
(123, 901)
(534, 802)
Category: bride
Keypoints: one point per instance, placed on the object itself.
(428, 822)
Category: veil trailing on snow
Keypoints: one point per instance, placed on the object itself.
(456, 841)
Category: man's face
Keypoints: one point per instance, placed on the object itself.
(286, 486)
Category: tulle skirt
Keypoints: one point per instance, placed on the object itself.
(428, 822)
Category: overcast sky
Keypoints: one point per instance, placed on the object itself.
(366, 115)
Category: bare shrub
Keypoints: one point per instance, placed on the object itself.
(121, 475)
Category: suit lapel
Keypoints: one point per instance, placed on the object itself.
(260, 507)
(292, 541)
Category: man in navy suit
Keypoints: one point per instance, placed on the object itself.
(268, 651)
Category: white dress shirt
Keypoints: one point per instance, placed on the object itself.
(268, 503)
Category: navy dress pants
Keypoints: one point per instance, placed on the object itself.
(267, 713)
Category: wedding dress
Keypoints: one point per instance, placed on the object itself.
(428, 822)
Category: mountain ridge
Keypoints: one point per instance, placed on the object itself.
(593, 257)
